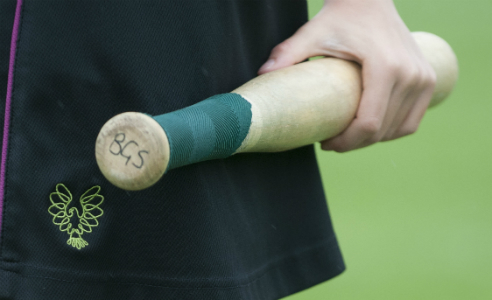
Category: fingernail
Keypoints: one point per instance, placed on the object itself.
(268, 65)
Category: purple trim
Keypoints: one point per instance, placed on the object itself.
(10, 87)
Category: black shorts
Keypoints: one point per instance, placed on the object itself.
(252, 226)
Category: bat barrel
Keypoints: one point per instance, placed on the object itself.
(443, 60)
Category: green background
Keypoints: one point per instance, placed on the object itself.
(414, 216)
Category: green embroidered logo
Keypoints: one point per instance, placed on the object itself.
(62, 215)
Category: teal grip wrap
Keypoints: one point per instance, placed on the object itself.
(211, 129)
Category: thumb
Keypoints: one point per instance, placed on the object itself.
(287, 53)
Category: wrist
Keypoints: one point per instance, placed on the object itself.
(360, 8)
(359, 4)
(364, 2)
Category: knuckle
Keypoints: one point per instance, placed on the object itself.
(370, 126)
(408, 129)
(387, 137)
(416, 76)
(339, 147)
(412, 76)
(427, 77)
(285, 46)
(419, 78)
(374, 139)
(431, 78)
(393, 65)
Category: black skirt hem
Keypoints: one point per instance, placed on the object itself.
(301, 270)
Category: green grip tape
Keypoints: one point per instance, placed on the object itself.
(211, 129)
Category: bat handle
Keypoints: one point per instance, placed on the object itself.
(134, 150)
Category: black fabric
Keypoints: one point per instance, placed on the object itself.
(252, 226)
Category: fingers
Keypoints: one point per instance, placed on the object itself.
(393, 103)
(378, 85)
(414, 105)
(397, 81)
(411, 122)
(291, 51)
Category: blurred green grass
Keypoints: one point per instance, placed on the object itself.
(414, 216)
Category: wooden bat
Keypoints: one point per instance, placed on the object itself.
(285, 109)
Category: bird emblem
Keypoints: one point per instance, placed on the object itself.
(64, 215)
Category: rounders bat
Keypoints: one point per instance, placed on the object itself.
(281, 110)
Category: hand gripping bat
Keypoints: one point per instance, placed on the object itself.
(281, 110)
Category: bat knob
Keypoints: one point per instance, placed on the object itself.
(132, 151)
(443, 60)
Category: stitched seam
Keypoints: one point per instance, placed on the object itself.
(306, 249)
(8, 123)
(274, 264)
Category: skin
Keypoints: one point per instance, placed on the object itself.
(397, 81)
